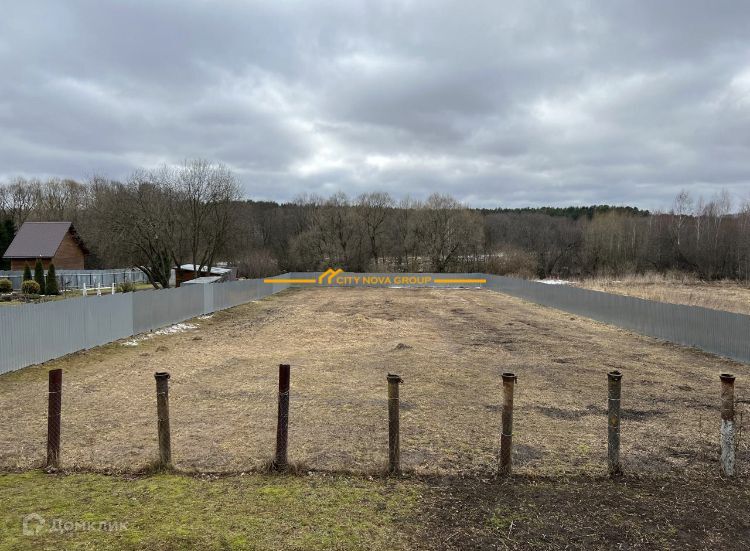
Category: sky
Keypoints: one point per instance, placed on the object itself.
(497, 103)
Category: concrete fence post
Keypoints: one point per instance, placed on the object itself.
(54, 409)
(727, 423)
(506, 437)
(282, 426)
(394, 428)
(162, 413)
(614, 379)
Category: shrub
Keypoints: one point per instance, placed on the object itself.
(512, 261)
(39, 274)
(126, 287)
(30, 287)
(26, 273)
(260, 263)
(51, 287)
(5, 286)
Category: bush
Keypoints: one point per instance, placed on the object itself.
(5, 286)
(51, 287)
(512, 261)
(30, 287)
(26, 273)
(126, 287)
(260, 263)
(39, 274)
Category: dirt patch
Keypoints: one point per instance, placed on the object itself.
(341, 343)
(582, 513)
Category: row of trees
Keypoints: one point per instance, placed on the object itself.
(373, 232)
(39, 284)
(193, 214)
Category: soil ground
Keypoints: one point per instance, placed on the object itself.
(450, 346)
(322, 511)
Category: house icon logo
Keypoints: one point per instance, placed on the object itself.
(33, 524)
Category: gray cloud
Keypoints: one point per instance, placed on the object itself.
(498, 103)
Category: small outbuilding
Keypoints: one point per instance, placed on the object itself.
(186, 272)
(52, 242)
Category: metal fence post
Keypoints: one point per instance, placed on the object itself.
(282, 425)
(53, 418)
(394, 428)
(506, 437)
(162, 413)
(727, 423)
(614, 379)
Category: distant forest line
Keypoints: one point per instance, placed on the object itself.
(195, 214)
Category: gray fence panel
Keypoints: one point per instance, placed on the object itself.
(391, 282)
(159, 308)
(107, 318)
(723, 333)
(234, 293)
(35, 333)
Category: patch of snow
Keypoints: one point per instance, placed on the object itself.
(176, 328)
(171, 330)
(553, 281)
(206, 317)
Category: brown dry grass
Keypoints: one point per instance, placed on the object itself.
(450, 346)
(732, 296)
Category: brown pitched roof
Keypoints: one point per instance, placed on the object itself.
(41, 240)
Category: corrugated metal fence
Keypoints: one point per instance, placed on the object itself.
(34, 333)
(723, 333)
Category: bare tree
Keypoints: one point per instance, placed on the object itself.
(373, 210)
(206, 194)
(446, 229)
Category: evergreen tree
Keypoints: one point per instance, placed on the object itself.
(7, 233)
(51, 288)
(39, 274)
(26, 273)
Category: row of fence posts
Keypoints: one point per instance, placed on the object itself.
(280, 462)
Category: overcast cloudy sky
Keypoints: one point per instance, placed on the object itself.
(498, 103)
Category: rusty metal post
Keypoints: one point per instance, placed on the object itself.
(727, 423)
(614, 379)
(506, 437)
(282, 426)
(394, 428)
(162, 413)
(54, 409)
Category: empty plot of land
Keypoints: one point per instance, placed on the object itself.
(449, 345)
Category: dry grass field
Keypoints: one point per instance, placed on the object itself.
(731, 296)
(450, 346)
